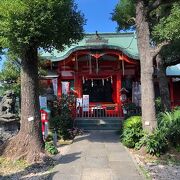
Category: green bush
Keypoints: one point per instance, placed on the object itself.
(50, 148)
(168, 132)
(132, 131)
(156, 143)
(158, 105)
(62, 120)
(169, 123)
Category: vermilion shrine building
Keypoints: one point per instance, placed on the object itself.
(104, 66)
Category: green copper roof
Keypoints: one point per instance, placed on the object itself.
(173, 70)
(125, 42)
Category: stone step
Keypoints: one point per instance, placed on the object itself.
(99, 124)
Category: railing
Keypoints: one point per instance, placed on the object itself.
(99, 111)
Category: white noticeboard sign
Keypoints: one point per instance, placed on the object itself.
(43, 101)
(54, 82)
(78, 102)
(85, 102)
(65, 87)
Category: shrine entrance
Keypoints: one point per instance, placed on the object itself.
(99, 90)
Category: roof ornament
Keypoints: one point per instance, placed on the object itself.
(98, 36)
(96, 39)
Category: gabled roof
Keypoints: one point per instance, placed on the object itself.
(125, 42)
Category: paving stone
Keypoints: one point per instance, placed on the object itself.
(96, 156)
(97, 152)
(96, 162)
(97, 174)
(66, 177)
(66, 169)
(120, 168)
(115, 147)
(119, 156)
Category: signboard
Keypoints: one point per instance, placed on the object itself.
(78, 102)
(65, 87)
(43, 102)
(54, 82)
(85, 102)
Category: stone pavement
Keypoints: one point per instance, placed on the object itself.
(96, 155)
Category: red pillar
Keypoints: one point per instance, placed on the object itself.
(59, 93)
(118, 93)
(77, 85)
(171, 92)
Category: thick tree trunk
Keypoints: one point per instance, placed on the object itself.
(146, 62)
(28, 143)
(163, 84)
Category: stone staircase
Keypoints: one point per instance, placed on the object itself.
(110, 123)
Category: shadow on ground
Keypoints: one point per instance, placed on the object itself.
(35, 171)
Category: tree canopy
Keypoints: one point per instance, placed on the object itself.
(40, 23)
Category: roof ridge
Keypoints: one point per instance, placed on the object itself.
(111, 33)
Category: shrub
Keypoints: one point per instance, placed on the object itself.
(50, 148)
(158, 105)
(168, 132)
(156, 143)
(169, 123)
(63, 117)
(132, 131)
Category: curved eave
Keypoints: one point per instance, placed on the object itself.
(88, 47)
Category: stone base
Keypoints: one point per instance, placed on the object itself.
(8, 129)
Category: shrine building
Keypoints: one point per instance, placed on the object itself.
(103, 71)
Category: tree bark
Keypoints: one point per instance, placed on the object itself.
(146, 62)
(28, 144)
(163, 84)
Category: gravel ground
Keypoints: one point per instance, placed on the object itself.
(158, 171)
(163, 172)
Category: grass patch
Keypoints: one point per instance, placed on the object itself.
(145, 173)
(65, 142)
(8, 167)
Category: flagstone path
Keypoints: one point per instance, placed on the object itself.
(97, 155)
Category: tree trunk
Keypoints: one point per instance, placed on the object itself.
(28, 143)
(146, 62)
(163, 84)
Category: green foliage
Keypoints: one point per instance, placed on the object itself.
(50, 148)
(169, 122)
(10, 76)
(39, 23)
(169, 27)
(124, 14)
(132, 131)
(167, 133)
(156, 143)
(63, 116)
(158, 105)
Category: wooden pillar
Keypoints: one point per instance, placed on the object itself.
(171, 92)
(77, 85)
(59, 93)
(118, 93)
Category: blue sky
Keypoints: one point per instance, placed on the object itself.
(98, 14)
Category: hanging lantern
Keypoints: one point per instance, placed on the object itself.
(90, 65)
(111, 80)
(92, 83)
(83, 79)
(103, 82)
(97, 67)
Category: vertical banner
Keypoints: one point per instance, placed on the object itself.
(78, 102)
(55, 83)
(65, 87)
(85, 102)
(43, 102)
